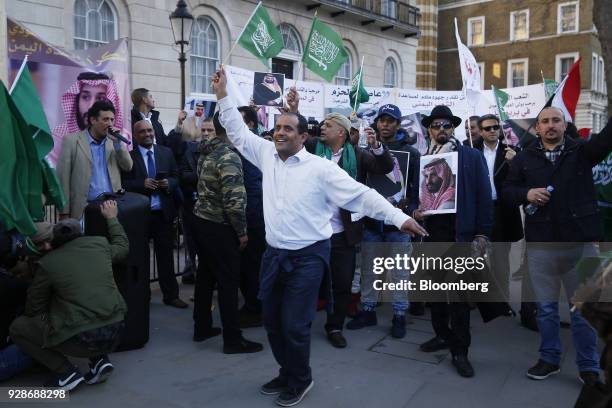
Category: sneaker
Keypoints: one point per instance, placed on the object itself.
(336, 339)
(463, 366)
(274, 387)
(542, 370)
(99, 370)
(242, 346)
(435, 344)
(398, 327)
(293, 396)
(589, 378)
(66, 381)
(363, 319)
(417, 308)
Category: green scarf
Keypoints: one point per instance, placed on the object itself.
(349, 160)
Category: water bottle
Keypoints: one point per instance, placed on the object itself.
(531, 208)
(363, 138)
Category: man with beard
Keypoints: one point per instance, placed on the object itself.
(438, 188)
(91, 87)
(91, 160)
(472, 223)
(388, 122)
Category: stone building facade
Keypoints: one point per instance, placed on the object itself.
(520, 42)
(384, 32)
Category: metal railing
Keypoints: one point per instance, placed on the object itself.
(394, 10)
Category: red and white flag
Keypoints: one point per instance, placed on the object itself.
(567, 93)
(470, 72)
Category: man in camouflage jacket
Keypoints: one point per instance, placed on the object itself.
(220, 235)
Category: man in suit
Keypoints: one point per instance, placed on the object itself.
(507, 223)
(155, 174)
(90, 161)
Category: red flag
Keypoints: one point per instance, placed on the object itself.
(568, 92)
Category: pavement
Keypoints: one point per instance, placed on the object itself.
(375, 370)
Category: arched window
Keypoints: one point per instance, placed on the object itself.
(390, 79)
(291, 39)
(204, 54)
(345, 74)
(94, 23)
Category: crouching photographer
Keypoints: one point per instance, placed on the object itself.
(73, 306)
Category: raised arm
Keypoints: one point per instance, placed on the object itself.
(252, 147)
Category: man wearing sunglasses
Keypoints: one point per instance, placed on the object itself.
(471, 224)
(507, 223)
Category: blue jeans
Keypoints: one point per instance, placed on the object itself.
(13, 361)
(547, 269)
(290, 282)
(369, 296)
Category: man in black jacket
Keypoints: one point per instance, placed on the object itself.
(507, 222)
(335, 145)
(388, 123)
(568, 217)
(155, 174)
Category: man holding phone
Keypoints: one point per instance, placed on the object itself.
(155, 174)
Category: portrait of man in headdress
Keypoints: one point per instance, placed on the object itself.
(438, 188)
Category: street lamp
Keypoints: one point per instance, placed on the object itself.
(182, 22)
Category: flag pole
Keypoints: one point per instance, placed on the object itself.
(358, 86)
(240, 35)
(468, 116)
(23, 65)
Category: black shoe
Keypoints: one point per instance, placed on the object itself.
(199, 336)
(178, 303)
(589, 378)
(66, 381)
(542, 370)
(293, 396)
(417, 308)
(435, 344)
(398, 327)
(336, 339)
(274, 387)
(248, 319)
(463, 366)
(243, 346)
(99, 370)
(363, 319)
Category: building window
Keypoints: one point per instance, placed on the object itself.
(567, 17)
(594, 79)
(285, 62)
(517, 72)
(601, 87)
(204, 55)
(345, 74)
(519, 25)
(390, 78)
(563, 64)
(94, 23)
(476, 31)
(388, 8)
(481, 68)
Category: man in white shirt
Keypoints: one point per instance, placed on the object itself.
(300, 194)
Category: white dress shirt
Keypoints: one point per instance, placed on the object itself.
(489, 155)
(301, 193)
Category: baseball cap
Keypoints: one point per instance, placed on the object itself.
(390, 110)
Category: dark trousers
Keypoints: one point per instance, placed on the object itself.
(28, 334)
(289, 307)
(342, 268)
(188, 233)
(219, 262)
(162, 233)
(500, 262)
(250, 264)
(457, 314)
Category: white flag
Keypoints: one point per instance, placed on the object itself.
(470, 72)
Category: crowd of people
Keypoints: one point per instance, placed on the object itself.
(270, 216)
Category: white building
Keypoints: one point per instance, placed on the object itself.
(383, 31)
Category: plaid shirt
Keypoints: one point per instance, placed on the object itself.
(554, 154)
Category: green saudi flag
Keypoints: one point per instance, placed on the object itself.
(21, 188)
(358, 94)
(324, 53)
(501, 99)
(24, 95)
(260, 36)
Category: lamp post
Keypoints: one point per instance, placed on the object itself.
(181, 22)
